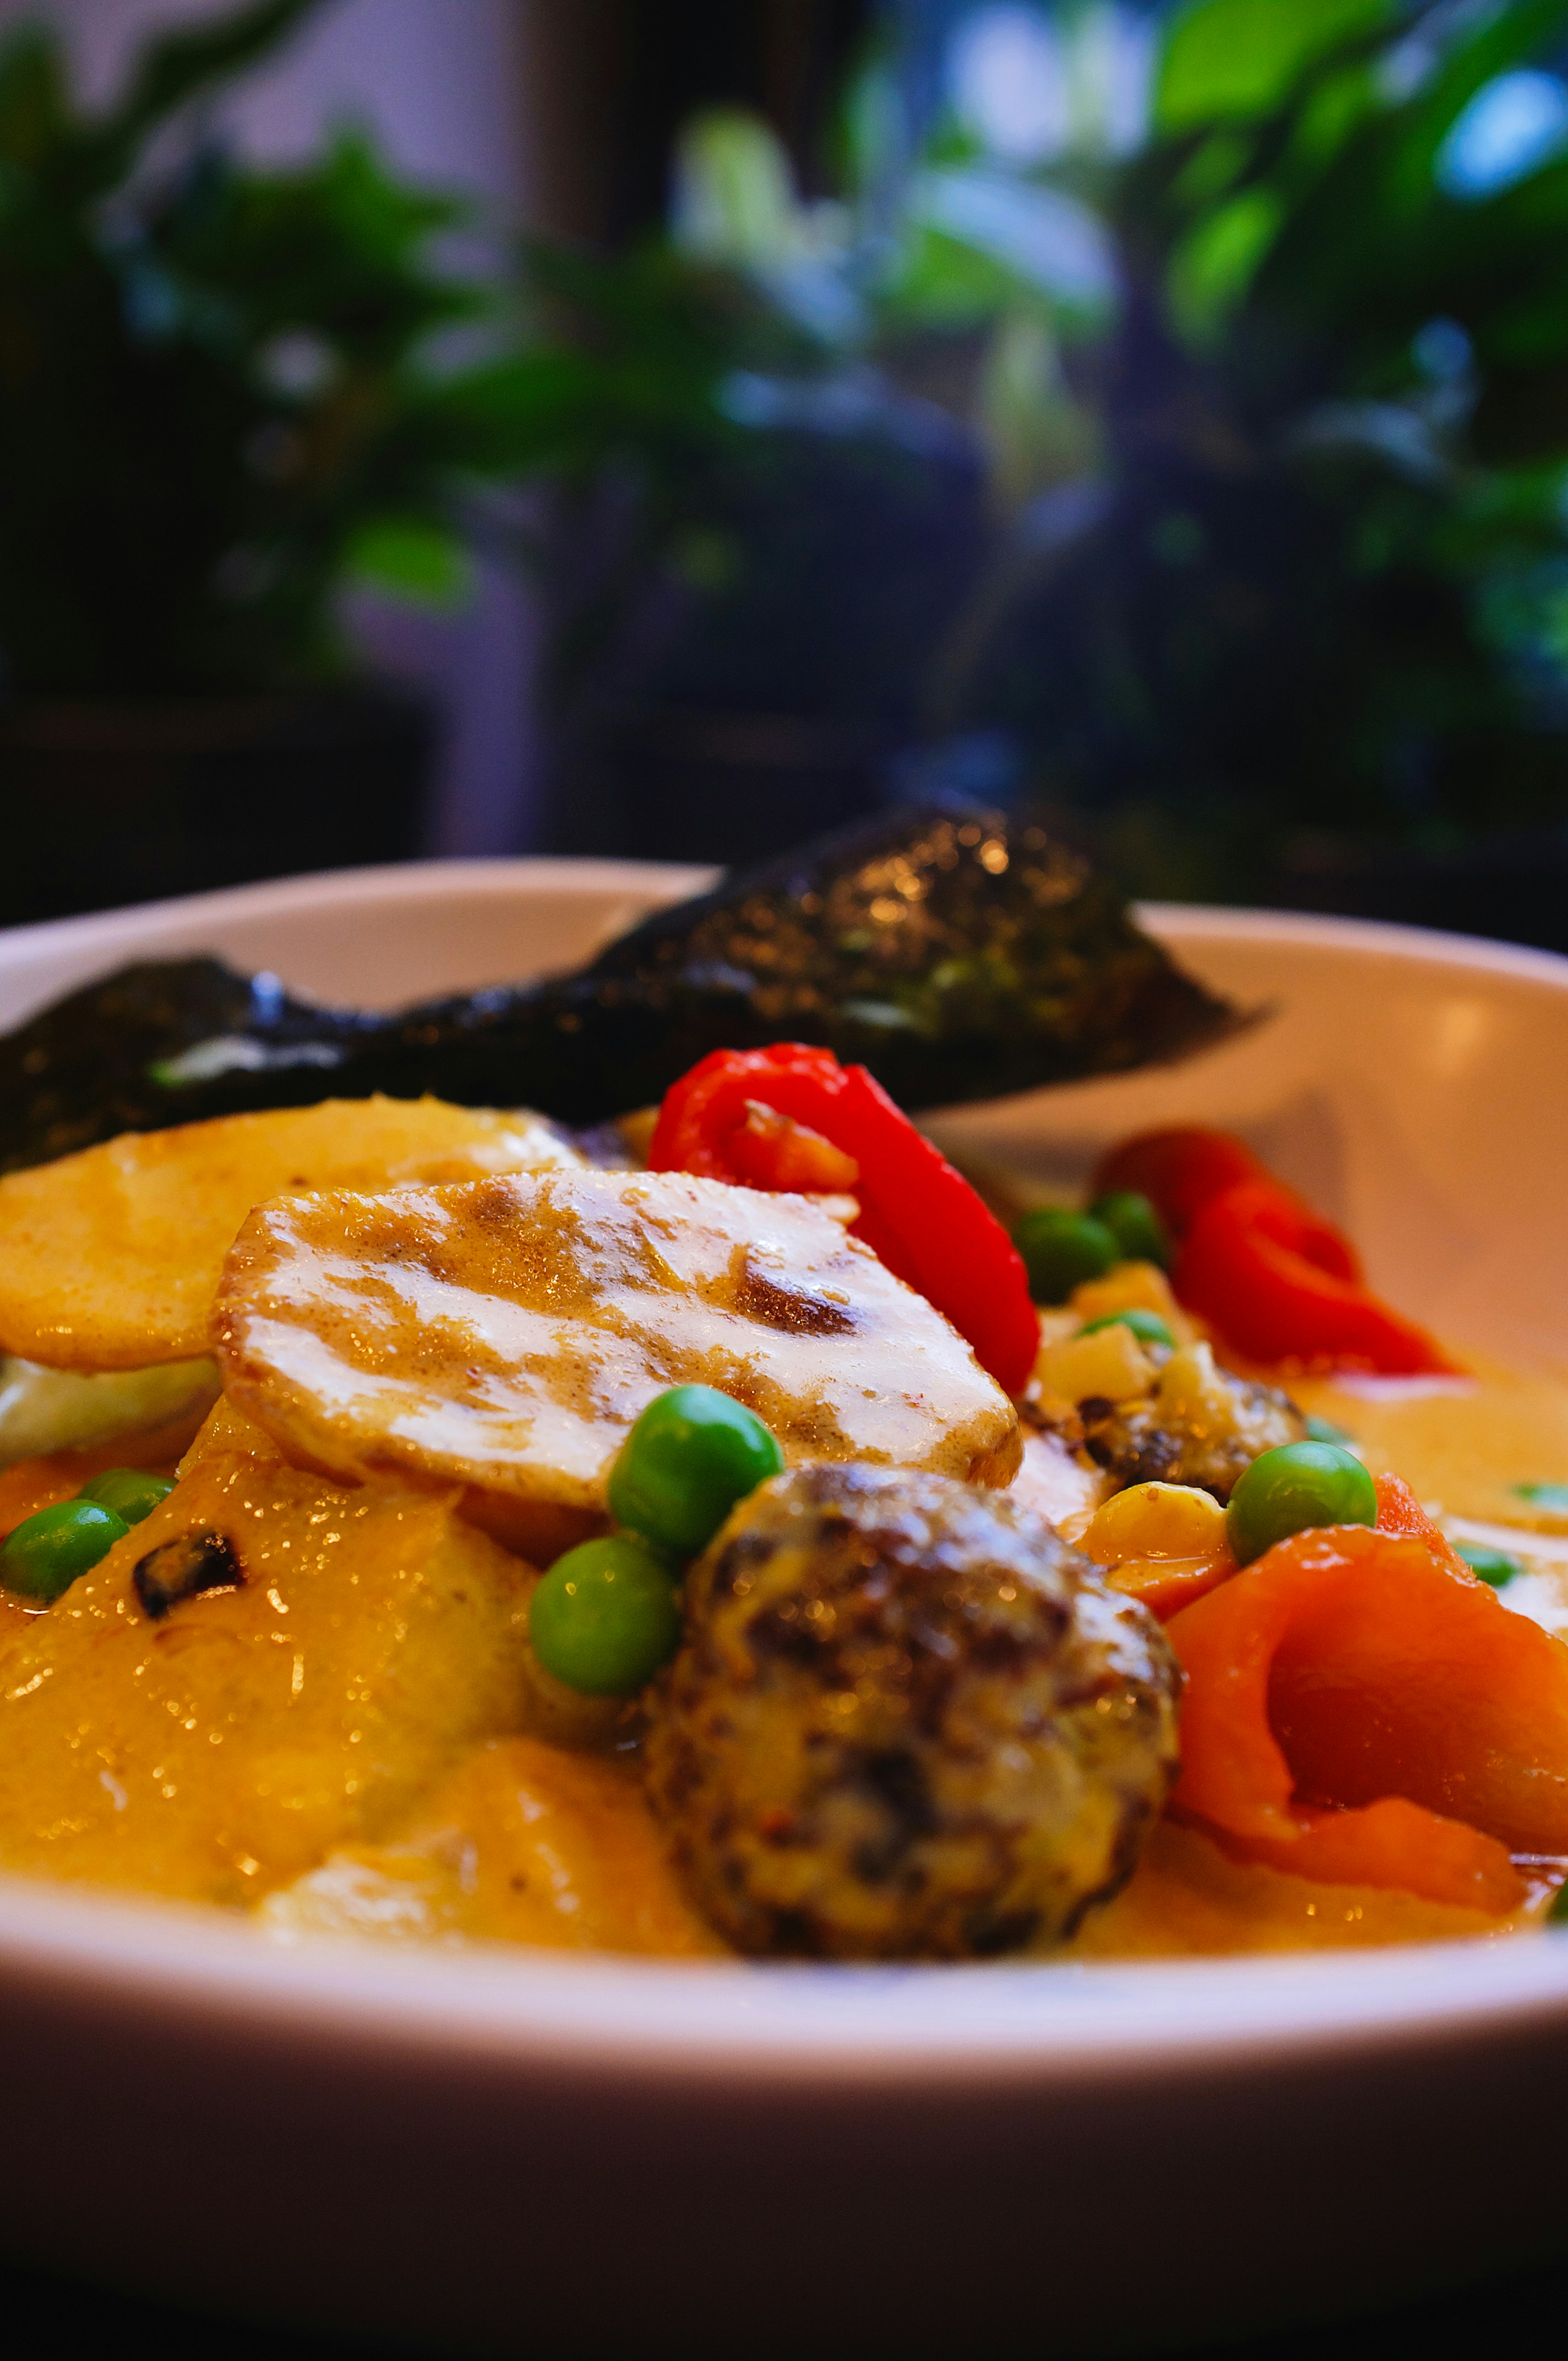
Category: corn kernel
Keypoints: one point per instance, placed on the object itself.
(1192, 1393)
(1130, 1287)
(1154, 1520)
(1111, 1364)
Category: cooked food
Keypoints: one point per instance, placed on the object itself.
(958, 957)
(522, 1843)
(793, 1118)
(505, 1335)
(112, 1256)
(908, 1722)
(264, 1667)
(655, 1559)
(1197, 1424)
(1253, 1258)
(1361, 1709)
(44, 1409)
(1123, 1373)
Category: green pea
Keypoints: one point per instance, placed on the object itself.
(605, 1617)
(47, 1551)
(1135, 1226)
(1297, 1486)
(1494, 1566)
(1323, 1430)
(1147, 1326)
(1558, 1914)
(691, 1455)
(1061, 1249)
(1553, 1497)
(131, 1492)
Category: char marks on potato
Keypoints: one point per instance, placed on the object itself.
(506, 1333)
(112, 1256)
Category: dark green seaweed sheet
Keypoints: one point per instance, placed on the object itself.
(960, 955)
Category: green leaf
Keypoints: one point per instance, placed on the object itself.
(177, 66)
(1044, 240)
(33, 112)
(414, 558)
(734, 193)
(1498, 39)
(1232, 59)
(1215, 265)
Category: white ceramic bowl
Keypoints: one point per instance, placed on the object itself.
(532, 2149)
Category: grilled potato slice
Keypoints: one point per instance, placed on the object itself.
(112, 1256)
(504, 1335)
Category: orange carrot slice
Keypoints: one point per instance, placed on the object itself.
(1360, 1708)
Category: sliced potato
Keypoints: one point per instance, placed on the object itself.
(522, 1843)
(111, 1256)
(229, 1742)
(504, 1335)
(67, 1410)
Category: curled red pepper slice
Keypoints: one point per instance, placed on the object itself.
(769, 1150)
(1281, 1285)
(1178, 1169)
(1270, 1274)
(921, 1217)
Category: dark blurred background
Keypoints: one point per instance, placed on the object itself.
(479, 426)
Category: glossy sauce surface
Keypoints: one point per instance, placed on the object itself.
(501, 1811)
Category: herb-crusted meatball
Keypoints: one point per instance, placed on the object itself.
(909, 1722)
(1201, 1425)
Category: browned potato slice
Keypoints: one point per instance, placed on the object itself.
(111, 1257)
(212, 1742)
(506, 1333)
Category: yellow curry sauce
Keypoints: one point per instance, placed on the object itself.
(478, 1804)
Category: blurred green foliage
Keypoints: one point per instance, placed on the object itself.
(228, 391)
(1327, 587)
(1203, 446)
(1265, 344)
(222, 390)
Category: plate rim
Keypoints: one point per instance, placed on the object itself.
(501, 876)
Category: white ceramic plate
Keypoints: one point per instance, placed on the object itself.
(558, 2155)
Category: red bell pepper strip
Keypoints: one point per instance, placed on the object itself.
(1178, 1170)
(1262, 1266)
(920, 1216)
(769, 1150)
(1273, 1278)
(1181, 1170)
(701, 1113)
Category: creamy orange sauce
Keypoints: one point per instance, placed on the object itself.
(1464, 1449)
(527, 1844)
(524, 1841)
(1187, 1898)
